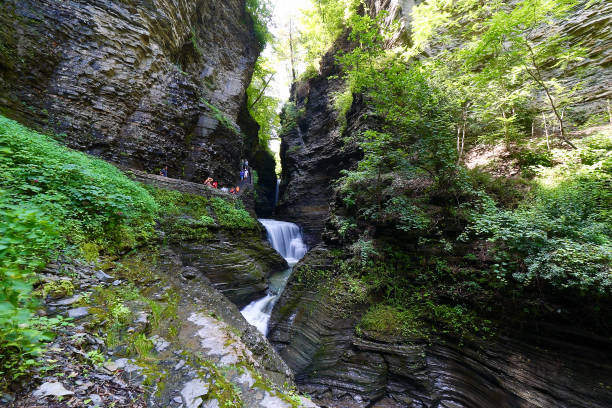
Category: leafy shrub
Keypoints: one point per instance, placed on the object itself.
(562, 235)
(535, 158)
(50, 198)
(231, 214)
(27, 241)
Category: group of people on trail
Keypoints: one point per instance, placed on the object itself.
(245, 173)
(245, 177)
(213, 184)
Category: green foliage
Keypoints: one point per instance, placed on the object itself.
(231, 214)
(262, 106)
(27, 241)
(51, 197)
(502, 63)
(561, 234)
(261, 14)
(141, 347)
(322, 24)
(309, 73)
(342, 103)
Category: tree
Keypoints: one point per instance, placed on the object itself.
(526, 43)
(263, 107)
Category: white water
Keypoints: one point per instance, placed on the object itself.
(286, 239)
(276, 196)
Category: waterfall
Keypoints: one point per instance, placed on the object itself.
(286, 239)
(276, 195)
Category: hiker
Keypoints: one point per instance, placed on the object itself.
(164, 172)
(237, 189)
(225, 189)
(246, 164)
(208, 182)
(215, 184)
(232, 190)
(246, 175)
(241, 175)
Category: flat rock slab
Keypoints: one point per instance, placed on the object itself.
(52, 389)
(78, 313)
(217, 340)
(193, 391)
(66, 302)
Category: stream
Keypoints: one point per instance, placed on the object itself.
(286, 239)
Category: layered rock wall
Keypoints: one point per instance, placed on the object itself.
(313, 151)
(539, 366)
(140, 83)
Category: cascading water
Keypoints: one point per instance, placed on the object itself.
(286, 239)
(276, 195)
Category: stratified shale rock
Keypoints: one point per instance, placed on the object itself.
(339, 366)
(313, 150)
(140, 83)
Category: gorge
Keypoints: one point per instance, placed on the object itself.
(438, 234)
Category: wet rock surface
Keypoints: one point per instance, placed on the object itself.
(210, 356)
(542, 365)
(132, 81)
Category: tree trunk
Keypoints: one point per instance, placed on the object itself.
(546, 130)
(291, 49)
(609, 111)
(537, 76)
(261, 93)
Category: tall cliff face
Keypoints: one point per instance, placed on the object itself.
(141, 83)
(313, 150)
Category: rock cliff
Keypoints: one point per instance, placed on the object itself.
(313, 151)
(140, 83)
(542, 365)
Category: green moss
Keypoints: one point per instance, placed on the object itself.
(57, 289)
(90, 251)
(223, 118)
(232, 215)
